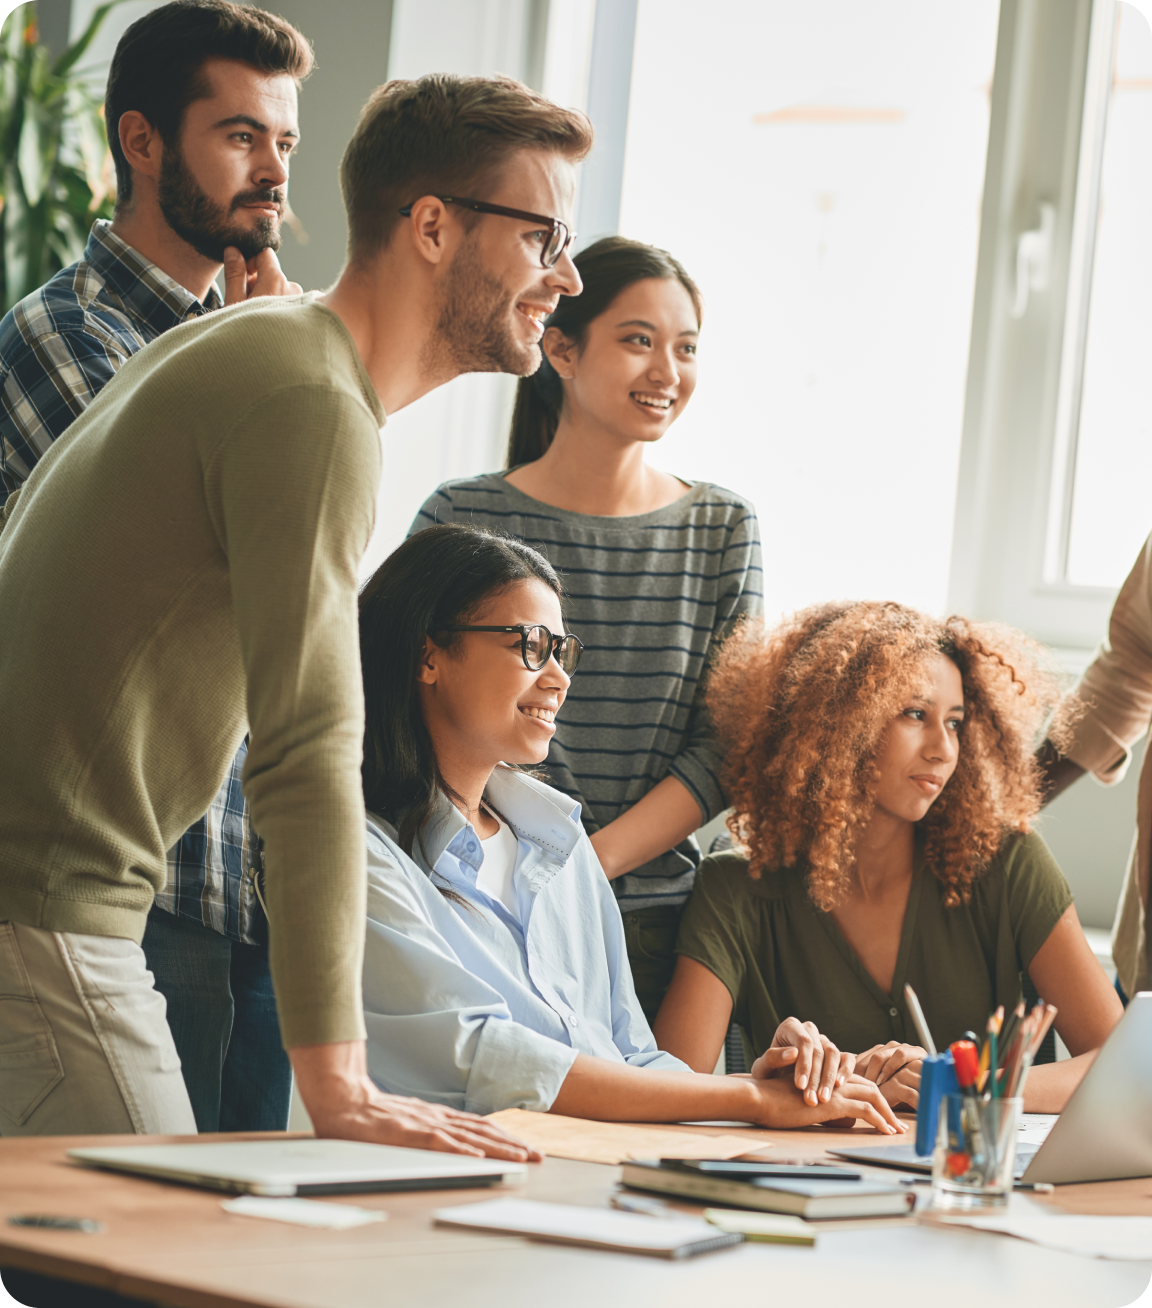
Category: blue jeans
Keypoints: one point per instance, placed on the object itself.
(222, 1013)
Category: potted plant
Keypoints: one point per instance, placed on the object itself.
(57, 175)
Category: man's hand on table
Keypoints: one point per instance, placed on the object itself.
(344, 1104)
(817, 1066)
(895, 1069)
(245, 279)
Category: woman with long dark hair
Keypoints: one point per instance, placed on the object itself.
(495, 973)
(657, 569)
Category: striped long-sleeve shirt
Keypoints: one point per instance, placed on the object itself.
(651, 596)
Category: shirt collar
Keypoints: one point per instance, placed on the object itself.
(148, 293)
(537, 813)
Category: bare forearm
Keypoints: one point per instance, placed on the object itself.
(694, 1017)
(661, 820)
(1050, 1086)
(612, 1092)
(615, 1092)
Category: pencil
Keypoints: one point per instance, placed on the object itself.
(1039, 1020)
(918, 1021)
(1011, 1026)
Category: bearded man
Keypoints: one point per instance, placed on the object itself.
(201, 113)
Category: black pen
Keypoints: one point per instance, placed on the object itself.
(49, 1223)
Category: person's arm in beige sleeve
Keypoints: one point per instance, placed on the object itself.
(1113, 697)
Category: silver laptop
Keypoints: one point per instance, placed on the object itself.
(1104, 1132)
(300, 1167)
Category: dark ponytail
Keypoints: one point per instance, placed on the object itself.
(606, 268)
(436, 579)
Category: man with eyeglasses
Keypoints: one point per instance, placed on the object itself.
(196, 587)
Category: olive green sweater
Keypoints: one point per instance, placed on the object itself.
(179, 568)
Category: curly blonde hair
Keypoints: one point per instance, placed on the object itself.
(803, 707)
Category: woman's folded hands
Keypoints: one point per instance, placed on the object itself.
(827, 1089)
(895, 1068)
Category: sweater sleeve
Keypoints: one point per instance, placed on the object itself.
(1116, 689)
(292, 488)
(740, 594)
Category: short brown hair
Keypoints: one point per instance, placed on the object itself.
(439, 135)
(156, 69)
(803, 708)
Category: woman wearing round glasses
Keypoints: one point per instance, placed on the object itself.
(495, 972)
(656, 569)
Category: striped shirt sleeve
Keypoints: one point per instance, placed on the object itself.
(699, 763)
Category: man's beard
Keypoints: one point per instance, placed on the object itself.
(473, 331)
(205, 225)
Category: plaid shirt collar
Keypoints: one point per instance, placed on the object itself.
(147, 293)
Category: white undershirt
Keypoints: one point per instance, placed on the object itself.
(495, 875)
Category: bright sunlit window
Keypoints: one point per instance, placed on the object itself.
(821, 179)
(1111, 515)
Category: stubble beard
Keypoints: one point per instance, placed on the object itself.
(473, 332)
(196, 218)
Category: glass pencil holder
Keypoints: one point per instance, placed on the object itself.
(974, 1163)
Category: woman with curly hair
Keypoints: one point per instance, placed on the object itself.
(880, 766)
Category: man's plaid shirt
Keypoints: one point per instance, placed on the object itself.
(58, 347)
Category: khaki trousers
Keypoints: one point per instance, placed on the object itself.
(84, 1042)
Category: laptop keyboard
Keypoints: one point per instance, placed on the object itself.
(1033, 1131)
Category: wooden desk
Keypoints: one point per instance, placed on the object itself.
(176, 1246)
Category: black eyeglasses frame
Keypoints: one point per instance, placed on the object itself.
(556, 226)
(556, 644)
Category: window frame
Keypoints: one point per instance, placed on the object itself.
(1050, 98)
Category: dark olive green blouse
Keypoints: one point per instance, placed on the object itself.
(780, 956)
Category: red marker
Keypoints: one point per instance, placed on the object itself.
(967, 1061)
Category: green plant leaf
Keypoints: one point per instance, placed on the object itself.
(15, 242)
(76, 50)
(53, 156)
(14, 29)
(93, 144)
(30, 158)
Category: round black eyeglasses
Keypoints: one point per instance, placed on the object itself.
(560, 235)
(538, 645)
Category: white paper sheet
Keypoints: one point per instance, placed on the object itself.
(304, 1212)
(1125, 1238)
(574, 1224)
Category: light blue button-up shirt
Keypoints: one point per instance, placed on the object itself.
(469, 1005)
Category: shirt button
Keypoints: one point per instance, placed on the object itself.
(573, 1020)
(471, 847)
(893, 1012)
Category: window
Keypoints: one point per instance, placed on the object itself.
(1108, 513)
(820, 177)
